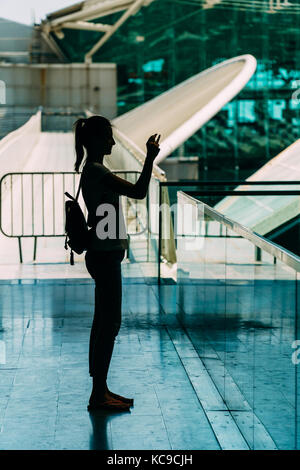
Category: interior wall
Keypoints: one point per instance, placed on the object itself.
(57, 86)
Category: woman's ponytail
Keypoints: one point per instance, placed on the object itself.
(79, 126)
(85, 130)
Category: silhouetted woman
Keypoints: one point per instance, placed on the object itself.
(101, 191)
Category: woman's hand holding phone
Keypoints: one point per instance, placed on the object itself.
(153, 146)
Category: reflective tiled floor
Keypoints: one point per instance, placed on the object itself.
(205, 387)
(242, 319)
(44, 381)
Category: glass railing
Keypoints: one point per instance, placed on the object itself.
(270, 208)
(241, 312)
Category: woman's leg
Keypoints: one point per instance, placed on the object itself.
(94, 329)
(89, 261)
(105, 267)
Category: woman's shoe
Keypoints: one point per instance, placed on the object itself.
(129, 401)
(112, 405)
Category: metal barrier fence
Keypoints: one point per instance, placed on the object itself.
(32, 204)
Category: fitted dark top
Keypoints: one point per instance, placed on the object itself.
(111, 222)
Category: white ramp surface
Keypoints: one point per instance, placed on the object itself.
(52, 152)
(265, 213)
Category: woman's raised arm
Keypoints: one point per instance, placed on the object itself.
(140, 188)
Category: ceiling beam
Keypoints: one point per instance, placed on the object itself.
(92, 12)
(86, 26)
(80, 19)
(53, 46)
(131, 11)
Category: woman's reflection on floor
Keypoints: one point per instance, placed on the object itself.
(100, 438)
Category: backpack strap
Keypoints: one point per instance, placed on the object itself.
(78, 190)
(77, 194)
(76, 200)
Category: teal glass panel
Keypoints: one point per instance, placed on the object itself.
(274, 320)
(238, 299)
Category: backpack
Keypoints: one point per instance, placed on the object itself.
(76, 228)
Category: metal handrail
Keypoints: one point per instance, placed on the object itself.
(225, 183)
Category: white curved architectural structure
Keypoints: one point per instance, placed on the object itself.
(179, 112)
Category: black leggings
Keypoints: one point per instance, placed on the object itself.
(105, 269)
